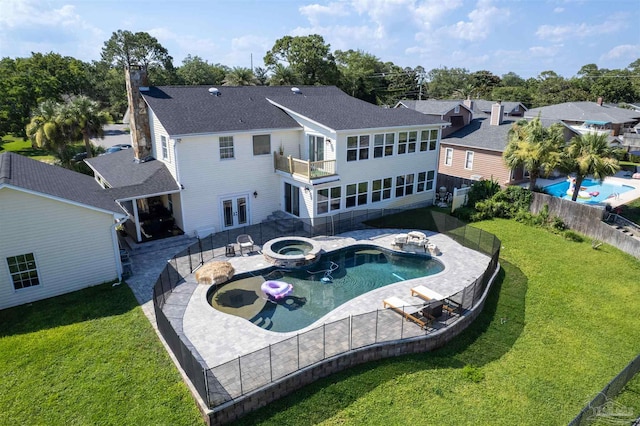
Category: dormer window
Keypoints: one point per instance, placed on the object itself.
(456, 110)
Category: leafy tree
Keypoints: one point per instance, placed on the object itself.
(614, 86)
(534, 147)
(483, 83)
(125, 48)
(196, 71)
(309, 57)
(512, 79)
(400, 83)
(239, 76)
(83, 116)
(444, 82)
(513, 93)
(590, 154)
(358, 71)
(262, 75)
(283, 76)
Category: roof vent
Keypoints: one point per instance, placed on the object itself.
(143, 88)
(296, 91)
(214, 91)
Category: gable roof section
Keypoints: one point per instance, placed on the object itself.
(432, 106)
(129, 179)
(185, 110)
(336, 110)
(481, 134)
(582, 111)
(484, 106)
(56, 182)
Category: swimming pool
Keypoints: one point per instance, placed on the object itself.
(594, 192)
(321, 287)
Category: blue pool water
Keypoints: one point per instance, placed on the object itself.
(360, 269)
(603, 189)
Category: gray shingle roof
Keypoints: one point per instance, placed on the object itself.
(432, 106)
(129, 179)
(335, 109)
(184, 110)
(23, 172)
(482, 105)
(480, 134)
(581, 111)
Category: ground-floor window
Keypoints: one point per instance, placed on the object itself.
(328, 199)
(356, 194)
(404, 185)
(425, 181)
(292, 199)
(380, 189)
(23, 271)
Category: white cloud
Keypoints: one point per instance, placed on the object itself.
(482, 20)
(545, 51)
(558, 10)
(625, 50)
(315, 12)
(582, 30)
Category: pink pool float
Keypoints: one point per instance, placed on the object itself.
(276, 289)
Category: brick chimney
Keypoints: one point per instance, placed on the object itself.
(600, 100)
(136, 78)
(497, 112)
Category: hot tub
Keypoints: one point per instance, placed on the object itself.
(291, 252)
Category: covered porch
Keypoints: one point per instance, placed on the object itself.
(150, 218)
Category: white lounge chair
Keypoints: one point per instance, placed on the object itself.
(401, 307)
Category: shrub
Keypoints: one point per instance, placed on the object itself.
(572, 236)
(482, 190)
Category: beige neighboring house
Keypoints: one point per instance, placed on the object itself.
(58, 231)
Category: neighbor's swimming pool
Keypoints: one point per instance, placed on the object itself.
(360, 269)
(603, 189)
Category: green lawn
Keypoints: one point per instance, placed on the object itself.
(559, 325)
(19, 146)
(87, 358)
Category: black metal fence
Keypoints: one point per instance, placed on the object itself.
(222, 383)
(598, 408)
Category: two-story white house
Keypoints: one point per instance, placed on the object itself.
(227, 157)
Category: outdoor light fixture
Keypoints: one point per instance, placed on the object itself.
(255, 194)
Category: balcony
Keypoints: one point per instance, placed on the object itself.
(309, 170)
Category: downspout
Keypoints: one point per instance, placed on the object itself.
(116, 246)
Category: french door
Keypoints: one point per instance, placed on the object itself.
(316, 148)
(235, 211)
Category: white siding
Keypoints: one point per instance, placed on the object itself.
(206, 178)
(73, 246)
(158, 130)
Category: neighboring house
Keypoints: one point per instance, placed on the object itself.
(57, 231)
(475, 151)
(511, 110)
(586, 117)
(454, 112)
(223, 158)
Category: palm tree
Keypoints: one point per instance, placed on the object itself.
(45, 128)
(534, 147)
(283, 76)
(590, 154)
(239, 76)
(83, 116)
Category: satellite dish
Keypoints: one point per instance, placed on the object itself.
(214, 91)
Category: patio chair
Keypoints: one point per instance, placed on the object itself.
(428, 295)
(245, 242)
(398, 305)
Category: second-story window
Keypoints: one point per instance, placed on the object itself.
(407, 142)
(357, 147)
(165, 147)
(383, 144)
(468, 161)
(428, 140)
(448, 156)
(226, 147)
(261, 144)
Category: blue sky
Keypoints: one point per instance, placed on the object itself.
(523, 36)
